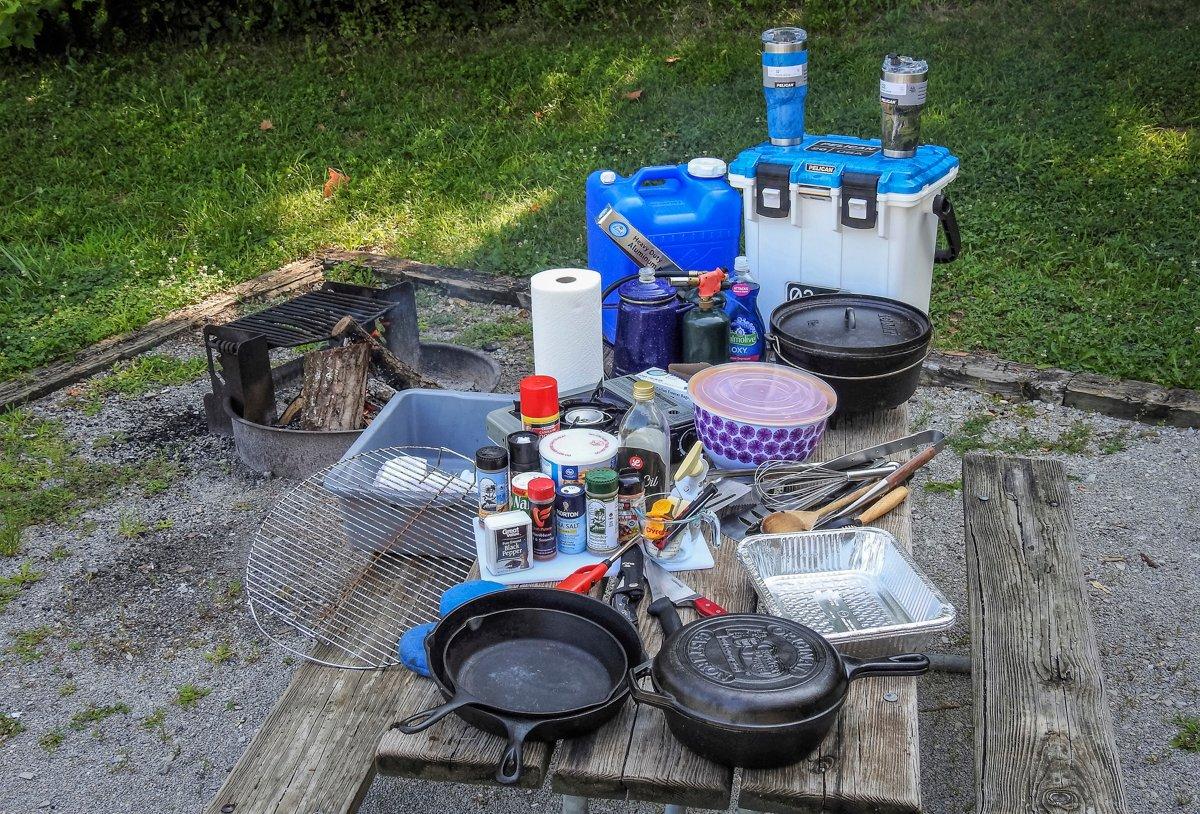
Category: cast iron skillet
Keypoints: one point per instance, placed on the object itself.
(533, 664)
(752, 690)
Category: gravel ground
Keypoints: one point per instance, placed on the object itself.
(136, 617)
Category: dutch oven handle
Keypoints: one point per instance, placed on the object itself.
(908, 664)
(508, 772)
(643, 696)
(949, 223)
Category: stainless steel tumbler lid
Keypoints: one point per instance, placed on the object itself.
(784, 40)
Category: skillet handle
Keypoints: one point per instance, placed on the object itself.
(428, 717)
(643, 696)
(508, 773)
(907, 664)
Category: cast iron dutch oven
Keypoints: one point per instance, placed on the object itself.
(869, 349)
(529, 664)
(752, 690)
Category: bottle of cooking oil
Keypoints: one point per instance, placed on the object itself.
(644, 442)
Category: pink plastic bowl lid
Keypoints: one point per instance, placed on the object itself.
(762, 393)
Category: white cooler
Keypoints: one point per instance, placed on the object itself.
(833, 214)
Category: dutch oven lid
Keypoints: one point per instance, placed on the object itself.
(859, 324)
(749, 669)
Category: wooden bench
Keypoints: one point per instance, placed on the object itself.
(1043, 729)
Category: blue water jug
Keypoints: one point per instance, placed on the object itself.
(688, 210)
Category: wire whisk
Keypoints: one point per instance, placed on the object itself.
(781, 485)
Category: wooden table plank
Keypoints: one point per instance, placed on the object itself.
(1043, 728)
(871, 759)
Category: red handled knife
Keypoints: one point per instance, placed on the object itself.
(664, 583)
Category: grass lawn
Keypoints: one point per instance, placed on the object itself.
(134, 184)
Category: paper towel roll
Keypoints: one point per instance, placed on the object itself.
(567, 341)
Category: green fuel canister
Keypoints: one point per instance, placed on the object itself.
(706, 327)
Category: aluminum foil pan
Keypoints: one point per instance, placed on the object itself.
(855, 586)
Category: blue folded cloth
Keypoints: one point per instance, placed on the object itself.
(456, 595)
(411, 646)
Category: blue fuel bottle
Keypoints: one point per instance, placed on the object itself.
(747, 334)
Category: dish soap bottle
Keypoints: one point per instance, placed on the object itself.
(746, 331)
(706, 327)
(644, 442)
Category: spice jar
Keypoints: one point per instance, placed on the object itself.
(601, 485)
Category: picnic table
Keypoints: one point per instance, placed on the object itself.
(868, 762)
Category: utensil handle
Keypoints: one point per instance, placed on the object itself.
(843, 502)
(884, 505)
(664, 611)
(907, 664)
(583, 579)
(426, 718)
(508, 772)
(706, 607)
(909, 467)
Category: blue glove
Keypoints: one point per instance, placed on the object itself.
(411, 648)
(459, 594)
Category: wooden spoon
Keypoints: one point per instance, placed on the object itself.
(792, 520)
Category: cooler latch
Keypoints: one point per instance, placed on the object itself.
(773, 193)
(860, 203)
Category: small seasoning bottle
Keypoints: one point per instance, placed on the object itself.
(518, 491)
(507, 544)
(570, 519)
(539, 404)
(631, 505)
(491, 479)
(523, 455)
(601, 485)
(541, 511)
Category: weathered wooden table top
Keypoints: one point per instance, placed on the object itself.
(868, 762)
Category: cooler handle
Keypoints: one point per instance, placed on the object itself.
(670, 172)
(949, 223)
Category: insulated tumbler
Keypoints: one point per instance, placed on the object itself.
(785, 83)
(902, 98)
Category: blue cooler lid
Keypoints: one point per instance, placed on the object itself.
(821, 161)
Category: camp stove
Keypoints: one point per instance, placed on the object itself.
(239, 352)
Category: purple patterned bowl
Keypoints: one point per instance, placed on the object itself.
(751, 412)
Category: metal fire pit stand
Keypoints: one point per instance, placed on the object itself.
(239, 352)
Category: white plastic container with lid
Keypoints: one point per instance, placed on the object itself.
(567, 455)
(835, 214)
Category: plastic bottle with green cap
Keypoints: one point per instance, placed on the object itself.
(644, 442)
(601, 486)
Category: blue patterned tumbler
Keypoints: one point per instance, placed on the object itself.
(785, 83)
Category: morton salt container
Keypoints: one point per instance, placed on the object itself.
(689, 211)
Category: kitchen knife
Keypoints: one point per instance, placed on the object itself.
(664, 583)
(630, 585)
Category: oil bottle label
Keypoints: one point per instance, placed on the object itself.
(648, 464)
